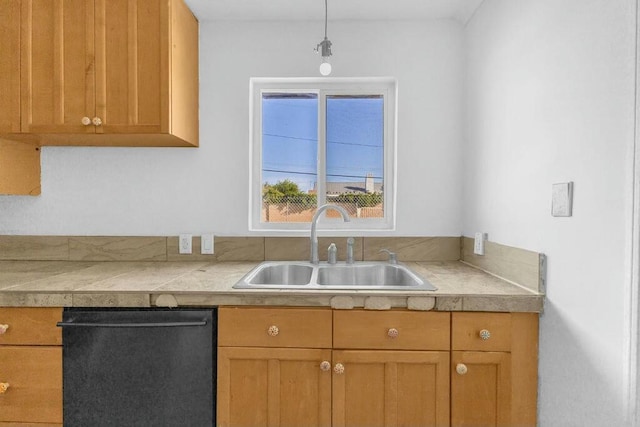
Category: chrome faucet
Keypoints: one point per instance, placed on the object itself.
(314, 226)
(393, 258)
(350, 242)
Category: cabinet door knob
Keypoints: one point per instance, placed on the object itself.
(461, 368)
(325, 366)
(3, 387)
(484, 334)
(393, 333)
(339, 368)
(97, 121)
(273, 330)
(3, 329)
(86, 121)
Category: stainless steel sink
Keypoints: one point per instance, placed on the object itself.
(288, 274)
(296, 275)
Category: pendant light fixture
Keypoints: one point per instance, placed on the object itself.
(324, 48)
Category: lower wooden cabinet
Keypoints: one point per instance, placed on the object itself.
(273, 387)
(390, 388)
(30, 367)
(387, 368)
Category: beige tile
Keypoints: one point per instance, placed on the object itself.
(34, 248)
(147, 276)
(27, 299)
(111, 300)
(118, 248)
(413, 248)
(518, 265)
(505, 303)
(286, 248)
(225, 249)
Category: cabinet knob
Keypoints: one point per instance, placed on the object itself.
(339, 368)
(393, 333)
(3, 329)
(3, 387)
(97, 121)
(273, 330)
(325, 366)
(86, 121)
(461, 368)
(484, 334)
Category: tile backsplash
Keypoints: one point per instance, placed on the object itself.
(132, 248)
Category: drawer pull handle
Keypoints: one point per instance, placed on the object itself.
(461, 368)
(393, 333)
(339, 368)
(3, 329)
(3, 387)
(325, 366)
(273, 330)
(97, 121)
(485, 334)
(86, 121)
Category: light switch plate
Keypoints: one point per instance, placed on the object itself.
(562, 199)
(206, 244)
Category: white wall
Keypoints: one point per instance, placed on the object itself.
(550, 96)
(124, 191)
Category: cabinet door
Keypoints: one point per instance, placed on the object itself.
(391, 388)
(273, 387)
(9, 66)
(34, 374)
(57, 76)
(132, 40)
(480, 388)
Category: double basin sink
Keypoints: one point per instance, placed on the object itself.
(365, 275)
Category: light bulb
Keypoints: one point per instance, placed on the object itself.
(325, 68)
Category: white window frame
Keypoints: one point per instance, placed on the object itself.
(323, 87)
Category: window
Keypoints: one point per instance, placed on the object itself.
(317, 141)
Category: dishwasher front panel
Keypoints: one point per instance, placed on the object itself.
(142, 367)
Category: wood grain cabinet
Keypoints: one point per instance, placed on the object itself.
(291, 367)
(109, 72)
(270, 367)
(19, 161)
(494, 363)
(30, 366)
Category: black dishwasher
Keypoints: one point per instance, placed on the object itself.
(139, 367)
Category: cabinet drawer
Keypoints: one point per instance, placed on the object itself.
(269, 327)
(34, 375)
(401, 330)
(31, 326)
(468, 330)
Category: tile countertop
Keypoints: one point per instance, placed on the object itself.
(145, 284)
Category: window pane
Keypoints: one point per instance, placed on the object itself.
(355, 154)
(289, 156)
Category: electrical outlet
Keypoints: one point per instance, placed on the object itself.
(478, 243)
(184, 244)
(206, 244)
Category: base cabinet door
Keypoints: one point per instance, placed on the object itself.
(390, 388)
(481, 388)
(273, 387)
(33, 379)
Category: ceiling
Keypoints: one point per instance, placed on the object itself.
(247, 10)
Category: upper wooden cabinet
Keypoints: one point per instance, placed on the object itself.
(108, 72)
(9, 66)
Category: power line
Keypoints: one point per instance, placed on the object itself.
(315, 174)
(315, 140)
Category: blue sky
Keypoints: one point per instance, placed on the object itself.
(290, 130)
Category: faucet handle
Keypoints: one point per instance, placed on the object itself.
(393, 257)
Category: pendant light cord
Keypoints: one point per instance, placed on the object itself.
(325, 19)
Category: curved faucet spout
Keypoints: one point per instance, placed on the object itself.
(314, 225)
